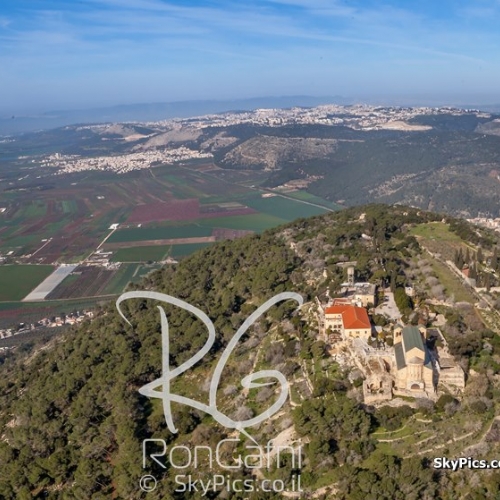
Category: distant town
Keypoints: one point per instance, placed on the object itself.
(486, 222)
(155, 151)
(120, 164)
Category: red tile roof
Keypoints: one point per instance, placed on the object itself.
(336, 309)
(353, 318)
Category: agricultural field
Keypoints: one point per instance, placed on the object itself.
(283, 208)
(132, 235)
(35, 209)
(75, 215)
(241, 178)
(16, 281)
(255, 222)
(85, 281)
(95, 281)
(65, 219)
(184, 210)
(166, 211)
(193, 181)
(141, 254)
(126, 274)
(183, 250)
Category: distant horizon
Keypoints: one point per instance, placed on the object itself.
(12, 123)
(383, 100)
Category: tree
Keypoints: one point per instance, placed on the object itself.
(443, 401)
(494, 260)
(402, 300)
(393, 282)
(459, 261)
(473, 272)
(487, 281)
(479, 255)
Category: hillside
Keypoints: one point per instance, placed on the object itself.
(73, 421)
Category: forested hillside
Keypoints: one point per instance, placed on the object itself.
(72, 420)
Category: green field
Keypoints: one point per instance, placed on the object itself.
(452, 284)
(69, 206)
(120, 280)
(252, 222)
(202, 227)
(66, 305)
(72, 278)
(19, 241)
(35, 209)
(54, 227)
(159, 233)
(17, 281)
(283, 208)
(185, 185)
(438, 239)
(186, 249)
(126, 274)
(140, 254)
(436, 230)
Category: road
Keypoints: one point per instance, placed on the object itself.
(99, 246)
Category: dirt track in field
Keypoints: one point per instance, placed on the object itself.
(146, 243)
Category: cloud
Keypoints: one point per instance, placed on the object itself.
(329, 7)
(4, 22)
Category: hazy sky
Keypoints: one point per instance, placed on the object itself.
(73, 54)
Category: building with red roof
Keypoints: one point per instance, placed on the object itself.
(348, 321)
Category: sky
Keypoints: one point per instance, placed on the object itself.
(75, 54)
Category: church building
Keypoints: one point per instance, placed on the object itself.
(413, 364)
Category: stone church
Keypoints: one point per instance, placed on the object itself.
(413, 363)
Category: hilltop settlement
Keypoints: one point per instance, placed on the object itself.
(394, 360)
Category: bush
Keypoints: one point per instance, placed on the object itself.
(443, 401)
(392, 418)
(478, 406)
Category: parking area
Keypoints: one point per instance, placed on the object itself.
(388, 307)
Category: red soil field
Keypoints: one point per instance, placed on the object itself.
(175, 210)
(72, 226)
(38, 226)
(51, 252)
(180, 210)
